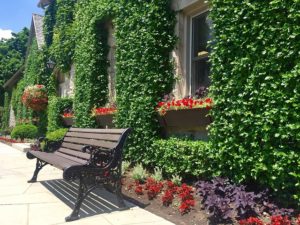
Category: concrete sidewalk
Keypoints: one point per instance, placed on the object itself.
(49, 200)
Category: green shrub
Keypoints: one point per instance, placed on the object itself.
(256, 88)
(56, 135)
(53, 139)
(24, 131)
(182, 157)
(139, 173)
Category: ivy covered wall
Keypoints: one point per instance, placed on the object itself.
(256, 89)
(144, 33)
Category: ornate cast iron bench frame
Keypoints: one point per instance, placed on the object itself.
(94, 156)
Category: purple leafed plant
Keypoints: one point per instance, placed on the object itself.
(223, 200)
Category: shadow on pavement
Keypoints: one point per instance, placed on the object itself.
(97, 202)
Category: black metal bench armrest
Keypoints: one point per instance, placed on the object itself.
(101, 158)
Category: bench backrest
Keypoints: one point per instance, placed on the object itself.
(106, 139)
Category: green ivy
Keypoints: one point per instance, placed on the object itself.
(145, 38)
(256, 88)
(5, 117)
(56, 107)
(49, 22)
(63, 43)
(91, 58)
(36, 72)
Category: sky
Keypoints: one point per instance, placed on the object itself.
(16, 14)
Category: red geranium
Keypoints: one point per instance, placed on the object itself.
(186, 103)
(103, 111)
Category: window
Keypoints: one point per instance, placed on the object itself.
(200, 34)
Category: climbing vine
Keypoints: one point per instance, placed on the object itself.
(145, 38)
(91, 58)
(144, 33)
(256, 88)
(49, 22)
(63, 43)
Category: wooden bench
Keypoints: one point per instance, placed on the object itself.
(94, 156)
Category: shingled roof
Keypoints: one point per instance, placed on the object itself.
(36, 30)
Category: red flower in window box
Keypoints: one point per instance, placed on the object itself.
(104, 116)
(186, 103)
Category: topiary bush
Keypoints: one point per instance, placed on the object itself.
(56, 135)
(23, 131)
(182, 157)
(256, 88)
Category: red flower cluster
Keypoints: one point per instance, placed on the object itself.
(167, 198)
(153, 188)
(186, 103)
(185, 193)
(280, 220)
(68, 115)
(138, 188)
(8, 140)
(251, 221)
(103, 111)
(275, 220)
(35, 97)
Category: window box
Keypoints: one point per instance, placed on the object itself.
(105, 120)
(68, 121)
(185, 120)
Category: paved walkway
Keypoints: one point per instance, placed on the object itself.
(49, 200)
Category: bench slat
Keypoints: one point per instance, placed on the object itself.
(100, 131)
(74, 153)
(71, 157)
(76, 147)
(108, 137)
(98, 143)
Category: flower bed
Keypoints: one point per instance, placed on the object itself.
(35, 97)
(215, 202)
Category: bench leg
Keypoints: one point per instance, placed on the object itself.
(82, 193)
(118, 192)
(39, 165)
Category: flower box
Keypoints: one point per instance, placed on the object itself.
(105, 120)
(186, 118)
(68, 121)
(104, 116)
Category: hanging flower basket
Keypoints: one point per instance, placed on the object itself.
(35, 97)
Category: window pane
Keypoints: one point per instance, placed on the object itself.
(201, 33)
(199, 57)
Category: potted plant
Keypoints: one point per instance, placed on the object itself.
(35, 97)
(68, 118)
(104, 116)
